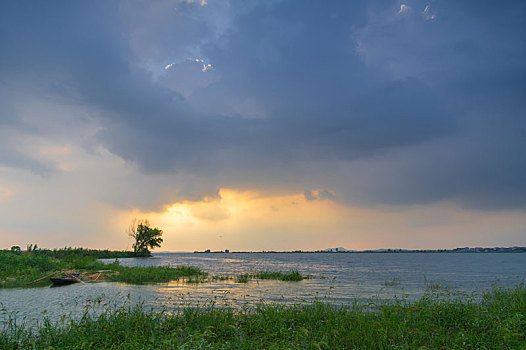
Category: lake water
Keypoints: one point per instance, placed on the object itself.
(340, 278)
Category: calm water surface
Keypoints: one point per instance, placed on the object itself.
(338, 278)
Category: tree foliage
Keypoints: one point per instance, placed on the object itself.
(31, 247)
(146, 237)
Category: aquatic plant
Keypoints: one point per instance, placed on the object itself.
(156, 274)
(282, 276)
(243, 278)
(292, 276)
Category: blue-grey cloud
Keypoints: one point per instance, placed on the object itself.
(311, 195)
(430, 100)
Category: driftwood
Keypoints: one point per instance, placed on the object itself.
(40, 279)
(77, 279)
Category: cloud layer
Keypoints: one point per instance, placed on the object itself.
(376, 103)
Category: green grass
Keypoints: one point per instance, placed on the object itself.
(291, 276)
(281, 276)
(65, 252)
(495, 321)
(17, 269)
(157, 274)
(243, 278)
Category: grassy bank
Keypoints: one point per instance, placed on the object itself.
(496, 321)
(17, 269)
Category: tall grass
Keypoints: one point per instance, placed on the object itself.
(158, 274)
(278, 275)
(496, 321)
(61, 253)
(17, 269)
(291, 276)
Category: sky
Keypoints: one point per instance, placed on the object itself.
(263, 125)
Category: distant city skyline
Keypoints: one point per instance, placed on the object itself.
(263, 125)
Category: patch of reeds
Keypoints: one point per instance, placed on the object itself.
(157, 274)
(291, 276)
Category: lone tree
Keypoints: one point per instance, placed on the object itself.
(146, 237)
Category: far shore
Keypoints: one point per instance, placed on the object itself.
(343, 250)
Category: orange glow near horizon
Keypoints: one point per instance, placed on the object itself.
(255, 221)
(242, 219)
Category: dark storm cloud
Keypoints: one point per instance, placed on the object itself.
(294, 82)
